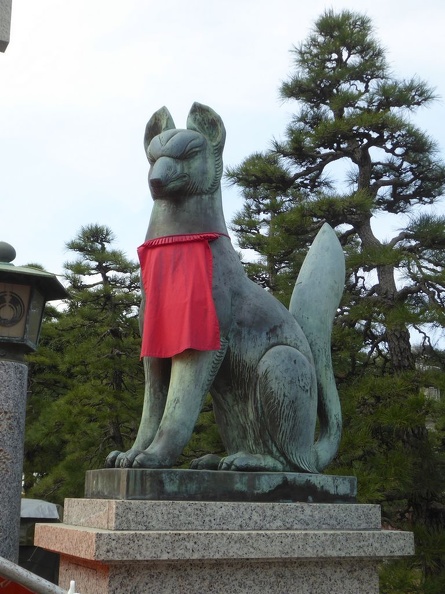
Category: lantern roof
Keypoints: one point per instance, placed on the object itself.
(47, 283)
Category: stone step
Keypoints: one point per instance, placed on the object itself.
(210, 515)
(125, 545)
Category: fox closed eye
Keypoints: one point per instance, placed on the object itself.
(191, 153)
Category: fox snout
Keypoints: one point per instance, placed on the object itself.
(166, 177)
(156, 184)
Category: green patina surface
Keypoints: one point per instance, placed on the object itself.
(272, 377)
(218, 485)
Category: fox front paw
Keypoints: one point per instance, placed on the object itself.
(110, 460)
(118, 459)
(149, 460)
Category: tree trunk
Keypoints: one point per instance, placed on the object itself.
(399, 346)
(397, 336)
(116, 435)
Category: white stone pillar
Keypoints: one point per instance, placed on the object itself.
(13, 389)
(5, 23)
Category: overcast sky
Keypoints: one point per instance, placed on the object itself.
(80, 79)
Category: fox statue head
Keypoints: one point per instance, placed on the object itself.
(184, 162)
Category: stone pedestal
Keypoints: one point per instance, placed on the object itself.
(218, 485)
(119, 546)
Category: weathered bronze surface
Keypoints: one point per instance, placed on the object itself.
(273, 374)
(218, 485)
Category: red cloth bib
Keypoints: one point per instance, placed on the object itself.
(179, 309)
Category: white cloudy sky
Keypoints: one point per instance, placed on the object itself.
(80, 78)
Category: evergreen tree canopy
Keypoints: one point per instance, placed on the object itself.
(86, 379)
(349, 153)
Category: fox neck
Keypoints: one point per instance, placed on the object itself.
(200, 213)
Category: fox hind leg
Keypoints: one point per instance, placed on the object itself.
(285, 411)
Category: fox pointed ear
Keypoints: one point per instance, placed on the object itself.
(206, 121)
(161, 120)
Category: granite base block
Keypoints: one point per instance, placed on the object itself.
(235, 577)
(225, 547)
(109, 514)
(130, 546)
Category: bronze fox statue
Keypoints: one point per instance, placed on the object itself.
(270, 374)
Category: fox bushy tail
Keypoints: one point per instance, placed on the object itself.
(314, 302)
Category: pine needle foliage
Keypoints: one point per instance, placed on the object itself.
(350, 152)
(86, 379)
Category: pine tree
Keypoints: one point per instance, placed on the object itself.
(351, 152)
(86, 379)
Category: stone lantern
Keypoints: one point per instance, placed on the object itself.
(23, 293)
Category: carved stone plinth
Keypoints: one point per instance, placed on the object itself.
(119, 546)
(217, 485)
